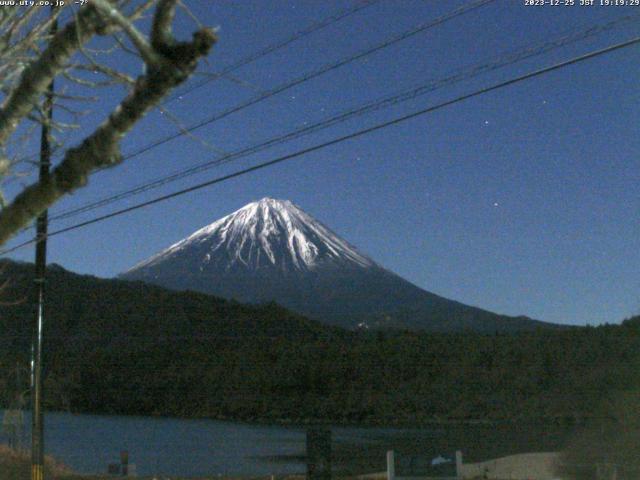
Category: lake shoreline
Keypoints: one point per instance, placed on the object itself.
(317, 422)
(202, 448)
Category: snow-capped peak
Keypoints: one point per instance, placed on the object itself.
(269, 233)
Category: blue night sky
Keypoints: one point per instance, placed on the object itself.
(521, 201)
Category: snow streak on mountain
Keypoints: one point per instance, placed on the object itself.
(274, 234)
(271, 250)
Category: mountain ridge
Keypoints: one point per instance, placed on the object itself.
(271, 250)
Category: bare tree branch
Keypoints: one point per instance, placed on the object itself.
(173, 63)
(107, 9)
(38, 75)
(161, 36)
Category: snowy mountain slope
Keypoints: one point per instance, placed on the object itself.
(271, 250)
(272, 234)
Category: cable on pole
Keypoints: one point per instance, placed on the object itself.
(37, 415)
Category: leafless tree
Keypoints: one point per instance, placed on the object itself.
(32, 56)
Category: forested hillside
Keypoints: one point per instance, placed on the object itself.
(126, 347)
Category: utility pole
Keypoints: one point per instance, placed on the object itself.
(37, 417)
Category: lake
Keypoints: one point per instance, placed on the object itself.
(171, 446)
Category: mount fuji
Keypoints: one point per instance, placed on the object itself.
(271, 250)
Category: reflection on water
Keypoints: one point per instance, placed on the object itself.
(170, 446)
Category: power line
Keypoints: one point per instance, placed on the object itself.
(335, 141)
(452, 78)
(225, 73)
(309, 76)
(275, 46)
(313, 74)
